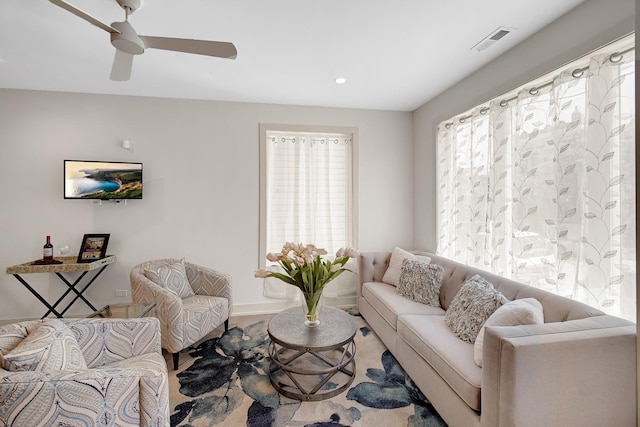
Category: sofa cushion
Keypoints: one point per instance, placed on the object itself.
(471, 307)
(448, 355)
(421, 281)
(50, 347)
(385, 300)
(392, 274)
(525, 311)
(172, 277)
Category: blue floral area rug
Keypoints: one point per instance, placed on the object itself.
(226, 383)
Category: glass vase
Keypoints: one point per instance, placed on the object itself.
(311, 303)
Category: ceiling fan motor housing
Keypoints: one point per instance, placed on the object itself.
(132, 5)
(127, 40)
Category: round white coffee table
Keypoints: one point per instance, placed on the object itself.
(312, 363)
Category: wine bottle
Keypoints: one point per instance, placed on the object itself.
(47, 251)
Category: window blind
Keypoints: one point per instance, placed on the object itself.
(308, 189)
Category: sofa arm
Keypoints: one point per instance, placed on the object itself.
(135, 395)
(574, 373)
(104, 341)
(371, 267)
(206, 281)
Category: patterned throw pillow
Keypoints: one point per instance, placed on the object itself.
(525, 311)
(392, 274)
(50, 347)
(172, 277)
(421, 281)
(471, 307)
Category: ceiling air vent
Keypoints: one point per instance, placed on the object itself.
(495, 35)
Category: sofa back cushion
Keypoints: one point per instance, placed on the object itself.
(371, 267)
(556, 308)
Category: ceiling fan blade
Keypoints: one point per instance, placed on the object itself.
(122, 65)
(84, 15)
(200, 47)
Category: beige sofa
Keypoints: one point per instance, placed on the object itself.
(576, 369)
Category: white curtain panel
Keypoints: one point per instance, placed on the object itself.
(541, 188)
(308, 191)
(309, 179)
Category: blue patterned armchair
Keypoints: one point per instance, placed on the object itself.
(83, 372)
(191, 300)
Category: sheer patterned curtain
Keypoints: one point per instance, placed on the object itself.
(308, 198)
(540, 188)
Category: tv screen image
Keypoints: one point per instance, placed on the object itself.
(89, 179)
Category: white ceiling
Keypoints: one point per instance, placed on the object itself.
(395, 54)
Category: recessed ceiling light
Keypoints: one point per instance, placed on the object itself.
(340, 80)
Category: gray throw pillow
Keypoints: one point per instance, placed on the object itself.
(421, 281)
(471, 307)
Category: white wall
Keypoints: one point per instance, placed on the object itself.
(201, 185)
(587, 27)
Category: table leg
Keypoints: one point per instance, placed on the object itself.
(37, 295)
(70, 288)
(79, 294)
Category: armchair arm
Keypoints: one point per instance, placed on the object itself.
(168, 309)
(579, 372)
(104, 341)
(129, 395)
(206, 281)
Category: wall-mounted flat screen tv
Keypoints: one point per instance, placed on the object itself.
(89, 179)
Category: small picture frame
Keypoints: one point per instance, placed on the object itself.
(94, 247)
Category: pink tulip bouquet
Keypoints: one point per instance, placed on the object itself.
(305, 269)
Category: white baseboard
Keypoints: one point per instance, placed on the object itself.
(278, 305)
(252, 309)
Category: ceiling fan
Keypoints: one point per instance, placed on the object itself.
(128, 43)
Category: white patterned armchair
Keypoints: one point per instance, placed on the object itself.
(93, 372)
(191, 300)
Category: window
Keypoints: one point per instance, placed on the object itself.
(307, 187)
(540, 187)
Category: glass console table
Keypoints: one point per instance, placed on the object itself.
(124, 311)
(69, 264)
